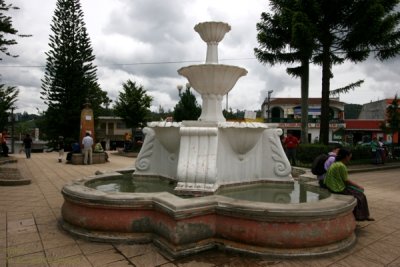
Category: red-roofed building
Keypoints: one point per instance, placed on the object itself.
(286, 112)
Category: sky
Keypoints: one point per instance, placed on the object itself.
(138, 40)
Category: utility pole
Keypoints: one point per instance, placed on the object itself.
(268, 105)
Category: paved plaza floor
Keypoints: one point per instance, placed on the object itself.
(30, 236)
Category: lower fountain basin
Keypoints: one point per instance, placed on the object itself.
(180, 226)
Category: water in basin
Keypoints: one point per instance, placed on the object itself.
(275, 193)
(265, 192)
(126, 184)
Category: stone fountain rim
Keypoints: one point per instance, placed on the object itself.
(77, 192)
(222, 124)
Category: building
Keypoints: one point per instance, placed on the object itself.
(372, 117)
(111, 131)
(286, 112)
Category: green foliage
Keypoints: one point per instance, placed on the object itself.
(187, 107)
(287, 35)
(133, 104)
(8, 97)
(346, 89)
(393, 116)
(7, 29)
(332, 32)
(70, 78)
(306, 153)
(160, 115)
(8, 94)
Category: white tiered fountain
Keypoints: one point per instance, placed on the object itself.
(241, 179)
(205, 154)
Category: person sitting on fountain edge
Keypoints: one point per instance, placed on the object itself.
(98, 148)
(337, 181)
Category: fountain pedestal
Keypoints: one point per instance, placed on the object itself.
(202, 156)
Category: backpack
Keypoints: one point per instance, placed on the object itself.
(317, 167)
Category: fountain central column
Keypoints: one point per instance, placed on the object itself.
(212, 80)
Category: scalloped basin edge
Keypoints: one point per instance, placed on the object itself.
(180, 227)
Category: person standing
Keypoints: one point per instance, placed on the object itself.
(291, 142)
(4, 147)
(27, 145)
(375, 151)
(60, 146)
(87, 143)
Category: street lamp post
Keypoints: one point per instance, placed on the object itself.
(179, 87)
(12, 130)
(268, 105)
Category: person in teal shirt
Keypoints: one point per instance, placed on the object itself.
(337, 181)
(375, 150)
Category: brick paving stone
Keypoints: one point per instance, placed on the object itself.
(106, 257)
(122, 263)
(195, 263)
(31, 260)
(74, 261)
(356, 260)
(135, 249)
(24, 248)
(54, 254)
(46, 220)
(169, 264)
(20, 238)
(149, 259)
(93, 247)
(58, 242)
(395, 263)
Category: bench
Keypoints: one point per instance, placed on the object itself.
(77, 159)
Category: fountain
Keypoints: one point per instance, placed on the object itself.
(204, 163)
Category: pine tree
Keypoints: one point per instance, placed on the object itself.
(187, 107)
(393, 116)
(133, 105)
(288, 36)
(8, 94)
(70, 78)
(332, 32)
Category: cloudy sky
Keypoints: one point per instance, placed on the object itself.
(138, 40)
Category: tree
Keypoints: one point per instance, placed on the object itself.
(352, 30)
(336, 31)
(8, 94)
(393, 116)
(287, 36)
(133, 105)
(70, 78)
(8, 97)
(187, 108)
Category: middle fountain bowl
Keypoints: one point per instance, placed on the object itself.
(215, 79)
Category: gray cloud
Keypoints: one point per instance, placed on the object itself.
(125, 33)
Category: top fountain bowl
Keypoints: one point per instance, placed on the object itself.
(214, 79)
(212, 31)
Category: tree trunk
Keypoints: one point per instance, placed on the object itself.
(304, 100)
(326, 76)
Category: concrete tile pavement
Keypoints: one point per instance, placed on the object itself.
(29, 234)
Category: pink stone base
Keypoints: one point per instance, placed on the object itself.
(186, 230)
